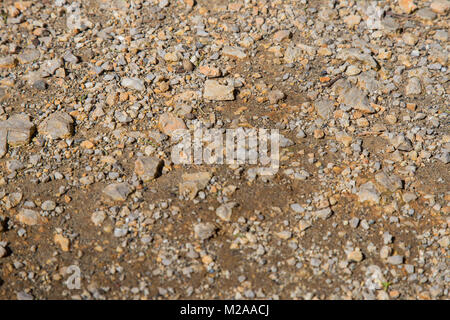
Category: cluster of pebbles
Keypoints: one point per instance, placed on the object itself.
(91, 93)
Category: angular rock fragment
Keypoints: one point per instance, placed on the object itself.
(275, 96)
(8, 62)
(49, 67)
(224, 211)
(440, 6)
(344, 138)
(356, 99)
(354, 54)
(389, 182)
(368, 192)
(18, 130)
(28, 56)
(148, 168)
(323, 213)
(324, 108)
(193, 183)
(204, 231)
(281, 35)
(58, 125)
(216, 92)
(118, 191)
(413, 87)
(234, 52)
(169, 124)
(29, 217)
(133, 83)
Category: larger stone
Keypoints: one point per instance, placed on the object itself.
(324, 108)
(169, 124)
(440, 6)
(133, 83)
(281, 35)
(8, 62)
(413, 87)
(49, 67)
(235, 52)
(217, 92)
(224, 211)
(354, 54)
(204, 231)
(118, 191)
(28, 56)
(344, 138)
(58, 125)
(19, 130)
(355, 98)
(193, 183)
(323, 213)
(407, 6)
(391, 182)
(148, 168)
(368, 192)
(29, 217)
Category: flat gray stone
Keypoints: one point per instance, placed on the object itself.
(323, 213)
(133, 83)
(29, 56)
(118, 191)
(368, 192)
(235, 52)
(324, 108)
(224, 211)
(389, 182)
(204, 231)
(395, 260)
(353, 97)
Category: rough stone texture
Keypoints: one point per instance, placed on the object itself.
(368, 192)
(28, 217)
(133, 83)
(204, 231)
(217, 92)
(234, 52)
(58, 125)
(356, 99)
(8, 62)
(19, 130)
(324, 108)
(148, 168)
(118, 191)
(169, 124)
(225, 211)
(389, 182)
(193, 182)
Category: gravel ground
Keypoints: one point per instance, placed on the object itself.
(92, 91)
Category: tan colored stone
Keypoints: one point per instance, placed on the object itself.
(148, 168)
(407, 6)
(58, 125)
(440, 6)
(8, 62)
(216, 92)
(168, 124)
(62, 242)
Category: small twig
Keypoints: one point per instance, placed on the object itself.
(331, 82)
